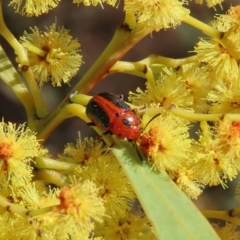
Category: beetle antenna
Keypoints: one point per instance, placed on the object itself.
(151, 120)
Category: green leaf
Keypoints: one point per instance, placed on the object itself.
(171, 213)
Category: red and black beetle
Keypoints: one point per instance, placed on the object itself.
(110, 113)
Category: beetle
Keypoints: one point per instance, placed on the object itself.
(110, 113)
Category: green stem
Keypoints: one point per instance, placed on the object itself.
(223, 215)
(210, 31)
(70, 110)
(169, 62)
(191, 116)
(30, 47)
(39, 231)
(81, 99)
(25, 213)
(150, 77)
(18, 48)
(11, 77)
(48, 163)
(36, 212)
(235, 211)
(140, 66)
(122, 41)
(51, 176)
(11, 207)
(41, 109)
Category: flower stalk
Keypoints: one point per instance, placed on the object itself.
(41, 108)
(223, 215)
(208, 30)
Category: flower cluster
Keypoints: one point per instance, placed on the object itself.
(165, 91)
(18, 147)
(228, 230)
(210, 3)
(67, 211)
(209, 85)
(53, 55)
(97, 164)
(97, 193)
(221, 57)
(156, 14)
(34, 8)
(190, 126)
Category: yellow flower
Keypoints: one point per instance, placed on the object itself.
(113, 184)
(88, 2)
(33, 7)
(14, 226)
(95, 2)
(98, 164)
(83, 151)
(185, 180)
(129, 227)
(65, 227)
(169, 89)
(18, 147)
(213, 166)
(166, 143)
(156, 14)
(210, 3)
(229, 23)
(56, 214)
(227, 232)
(227, 135)
(34, 196)
(57, 58)
(224, 97)
(30, 197)
(111, 2)
(78, 209)
(218, 58)
(222, 56)
(81, 201)
(197, 81)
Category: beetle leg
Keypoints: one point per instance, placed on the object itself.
(111, 145)
(109, 133)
